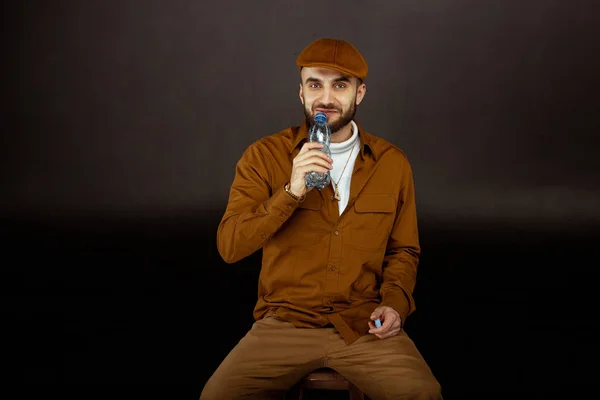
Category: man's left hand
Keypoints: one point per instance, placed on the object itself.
(391, 323)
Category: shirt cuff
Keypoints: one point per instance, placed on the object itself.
(398, 301)
(281, 204)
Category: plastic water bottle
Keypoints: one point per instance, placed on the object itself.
(319, 132)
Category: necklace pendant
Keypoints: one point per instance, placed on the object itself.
(336, 195)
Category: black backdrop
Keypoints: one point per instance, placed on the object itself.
(122, 122)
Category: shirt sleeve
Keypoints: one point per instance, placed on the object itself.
(255, 210)
(403, 250)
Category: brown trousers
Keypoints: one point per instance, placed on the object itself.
(274, 355)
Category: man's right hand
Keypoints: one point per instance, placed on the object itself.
(309, 159)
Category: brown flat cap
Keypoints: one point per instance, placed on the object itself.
(335, 54)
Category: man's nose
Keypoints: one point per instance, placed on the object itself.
(327, 97)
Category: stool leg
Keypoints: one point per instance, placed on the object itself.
(295, 393)
(355, 392)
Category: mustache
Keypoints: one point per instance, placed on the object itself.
(326, 107)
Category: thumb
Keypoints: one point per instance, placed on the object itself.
(377, 313)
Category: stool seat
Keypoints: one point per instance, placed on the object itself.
(325, 379)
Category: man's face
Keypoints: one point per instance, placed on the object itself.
(331, 92)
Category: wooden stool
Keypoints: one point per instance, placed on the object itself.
(325, 379)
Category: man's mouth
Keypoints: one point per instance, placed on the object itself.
(326, 110)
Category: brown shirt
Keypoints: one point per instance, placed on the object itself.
(320, 267)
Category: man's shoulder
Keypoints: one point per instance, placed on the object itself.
(386, 149)
(284, 138)
(273, 144)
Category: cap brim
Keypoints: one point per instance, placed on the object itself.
(330, 66)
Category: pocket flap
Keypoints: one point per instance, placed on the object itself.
(375, 203)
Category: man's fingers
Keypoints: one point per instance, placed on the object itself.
(383, 335)
(312, 154)
(386, 324)
(312, 168)
(314, 161)
(388, 321)
(388, 334)
(310, 145)
(390, 324)
(375, 330)
(377, 313)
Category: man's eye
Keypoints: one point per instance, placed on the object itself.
(340, 86)
(314, 85)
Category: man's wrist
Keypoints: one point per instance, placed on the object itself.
(286, 187)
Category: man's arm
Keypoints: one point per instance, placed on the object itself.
(403, 250)
(255, 211)
(253, 214)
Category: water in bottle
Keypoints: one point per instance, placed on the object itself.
(319, 132)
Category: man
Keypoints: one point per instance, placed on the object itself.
(334, 260)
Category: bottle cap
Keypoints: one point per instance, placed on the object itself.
(320, 118)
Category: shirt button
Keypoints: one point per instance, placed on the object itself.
(336, 233)
(328, 302)
(332, 268)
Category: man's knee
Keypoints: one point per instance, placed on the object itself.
(210, 390)
(225, 388)
(413, 389)
(434, 390)
(218, 388)
(429, 389)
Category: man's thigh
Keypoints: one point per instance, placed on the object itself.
(389, 368)
(267, 361)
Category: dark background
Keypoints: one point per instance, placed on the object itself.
(122, 122)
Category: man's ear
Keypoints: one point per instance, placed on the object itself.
(360, 93)
(301, 95)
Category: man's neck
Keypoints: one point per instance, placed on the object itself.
(343, 134)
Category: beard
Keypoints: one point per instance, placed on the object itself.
(342, 120)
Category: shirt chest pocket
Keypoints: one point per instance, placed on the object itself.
(373, 220)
